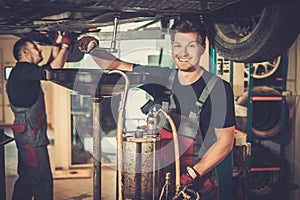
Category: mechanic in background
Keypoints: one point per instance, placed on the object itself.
(201, 105)
(30, 124)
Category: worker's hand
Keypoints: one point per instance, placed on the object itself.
(189, 176)
(57, 39)
(66, 40)
(87, 43)
(185, 180)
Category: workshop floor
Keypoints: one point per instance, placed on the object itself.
(75, 184)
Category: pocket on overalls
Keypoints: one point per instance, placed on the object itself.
(19, 125)
(18, 128)
(38, 129)
(186, 146)
(33, 120)
(167, 146)
(19, 134)
(24, 129)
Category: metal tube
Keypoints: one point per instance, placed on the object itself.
(96, 151)
(114, 36)
(138, 167)
(249, 121)
(176, 148)
(2, 169)
(4, 139)
(213, 60)
(120, 124)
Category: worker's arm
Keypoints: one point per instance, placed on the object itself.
(60, 51)
(217, 152)
(60, 59)
(104, 59)
(108, 61)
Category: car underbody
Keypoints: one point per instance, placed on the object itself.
(235, 27)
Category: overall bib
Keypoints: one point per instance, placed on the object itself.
(30, 133)
(190, 145)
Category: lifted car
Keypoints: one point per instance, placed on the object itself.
(239, 30)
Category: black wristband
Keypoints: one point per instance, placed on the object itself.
(192, 172)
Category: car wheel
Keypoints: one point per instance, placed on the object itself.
(266, 119)
(244, 33)
(263, 184)
(264, 69)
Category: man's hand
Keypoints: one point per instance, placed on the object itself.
(62, 39)
(189, 176)
(87, 43)
(185, 179)
(57, 40)
(65, 41)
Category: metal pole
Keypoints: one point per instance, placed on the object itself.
(96, 150)
(114, 36)
(231, 73)
(224, 169)
(283, 124)
(249, 124)
(2, 169)
(213, 60)
(249, 103)
(120, 125)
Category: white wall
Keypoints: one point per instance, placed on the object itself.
(293, 86)
(7, 59)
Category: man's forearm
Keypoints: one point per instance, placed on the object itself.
(55, 51)
(108, 61)
(60, 60)
(217, 152)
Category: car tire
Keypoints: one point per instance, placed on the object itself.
(264, 70)
(256, 34)
(263, 184)
(266, 119)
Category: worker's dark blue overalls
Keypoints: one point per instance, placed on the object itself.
(30, 132)
(190, 142)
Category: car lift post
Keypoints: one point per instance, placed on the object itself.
(4, 139)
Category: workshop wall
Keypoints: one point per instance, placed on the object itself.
(6, 59)
(293, 97)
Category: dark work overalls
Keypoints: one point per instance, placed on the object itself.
(35, 177)
(190, 145)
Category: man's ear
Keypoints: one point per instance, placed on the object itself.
(202, 49)
(24, 51)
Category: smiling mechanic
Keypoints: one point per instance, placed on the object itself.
(201, 104)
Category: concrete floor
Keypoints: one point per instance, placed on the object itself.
(75, 184)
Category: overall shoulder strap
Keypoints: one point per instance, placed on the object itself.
(204, 95)
(171, 79)
(170, 103)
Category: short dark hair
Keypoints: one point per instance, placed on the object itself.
(189, 24)
(21, 43)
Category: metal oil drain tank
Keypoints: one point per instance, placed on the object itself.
(141, 166)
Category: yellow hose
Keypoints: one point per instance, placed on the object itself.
(176, 148)
(120, 124)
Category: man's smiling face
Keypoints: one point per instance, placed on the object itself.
(187, 50)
